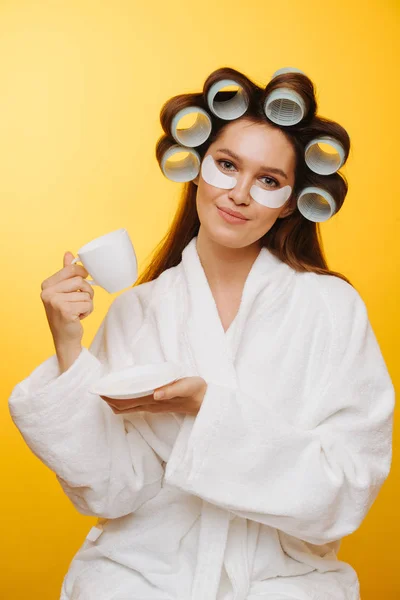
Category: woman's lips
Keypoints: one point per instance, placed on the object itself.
(230, 218)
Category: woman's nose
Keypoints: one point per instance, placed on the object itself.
(240, 194)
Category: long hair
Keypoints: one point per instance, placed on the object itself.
(294, 239)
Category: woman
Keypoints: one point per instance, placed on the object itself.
(240, 482)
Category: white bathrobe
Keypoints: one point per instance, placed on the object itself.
(250, 498)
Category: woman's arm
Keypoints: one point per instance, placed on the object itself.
(106, 470)
(314, 483)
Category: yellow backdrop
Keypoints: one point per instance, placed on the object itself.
(82, 83)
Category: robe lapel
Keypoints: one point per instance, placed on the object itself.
(213, 355)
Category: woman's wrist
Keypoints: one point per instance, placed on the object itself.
(67, 355)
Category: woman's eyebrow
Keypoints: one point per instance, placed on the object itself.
(236, 157)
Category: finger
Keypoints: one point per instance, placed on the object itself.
(80, 309)
(144, 407)
(66, 273)
(117, 411)
(133, 402)
(113, 404)
(67, 260)
(181, 387)
(79, 297)
(75, 283)
(162, 407)
(126, 407)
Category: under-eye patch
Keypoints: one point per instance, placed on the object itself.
(271, 198)
(212, 175)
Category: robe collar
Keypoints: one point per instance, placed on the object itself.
(213, 353)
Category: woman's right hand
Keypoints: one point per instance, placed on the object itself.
(67, 299)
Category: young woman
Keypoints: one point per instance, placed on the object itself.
(239, 482)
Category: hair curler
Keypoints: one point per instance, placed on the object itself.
(320, 161)
(196, 134)
(182, 170)
(284, 106)
(228, 109)
(316, 204)
(287, 70)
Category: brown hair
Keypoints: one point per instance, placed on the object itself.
(293, 239)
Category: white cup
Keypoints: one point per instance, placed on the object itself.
(111, 260)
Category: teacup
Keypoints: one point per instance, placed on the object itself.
(110, 260)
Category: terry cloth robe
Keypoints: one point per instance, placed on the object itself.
(249, 498)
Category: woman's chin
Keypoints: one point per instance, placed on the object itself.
(225, 236)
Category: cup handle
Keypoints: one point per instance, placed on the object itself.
(88, 280)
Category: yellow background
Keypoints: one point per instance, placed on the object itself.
(81, 86)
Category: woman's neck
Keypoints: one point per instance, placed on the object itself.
(225, 267)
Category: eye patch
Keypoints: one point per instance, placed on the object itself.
(271, 198)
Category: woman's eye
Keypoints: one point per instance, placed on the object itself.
(271, 182)
(225, 162)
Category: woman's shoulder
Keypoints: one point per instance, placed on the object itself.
(340, 298)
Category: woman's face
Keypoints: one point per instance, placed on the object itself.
(255, 154)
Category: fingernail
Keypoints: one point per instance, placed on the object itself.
(158, 395)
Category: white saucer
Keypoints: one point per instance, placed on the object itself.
(136, 381)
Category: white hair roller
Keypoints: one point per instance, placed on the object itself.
(284, 106)
(287, 70)
(196, 134)
(228, 109)
(182, 170)
(321, 162)
(316, 204)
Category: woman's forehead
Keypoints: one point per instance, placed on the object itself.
(257, 143)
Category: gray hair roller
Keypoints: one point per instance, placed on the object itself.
(182, 170)
(284, 106)
(321, 162)
(196, 134)
(228, 109)
(316, 204)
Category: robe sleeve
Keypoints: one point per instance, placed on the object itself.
(318, 482)
(102, 463)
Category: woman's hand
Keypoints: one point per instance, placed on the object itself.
(67, 298)
(182, 396)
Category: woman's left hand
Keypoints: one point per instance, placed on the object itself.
(182, 396)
